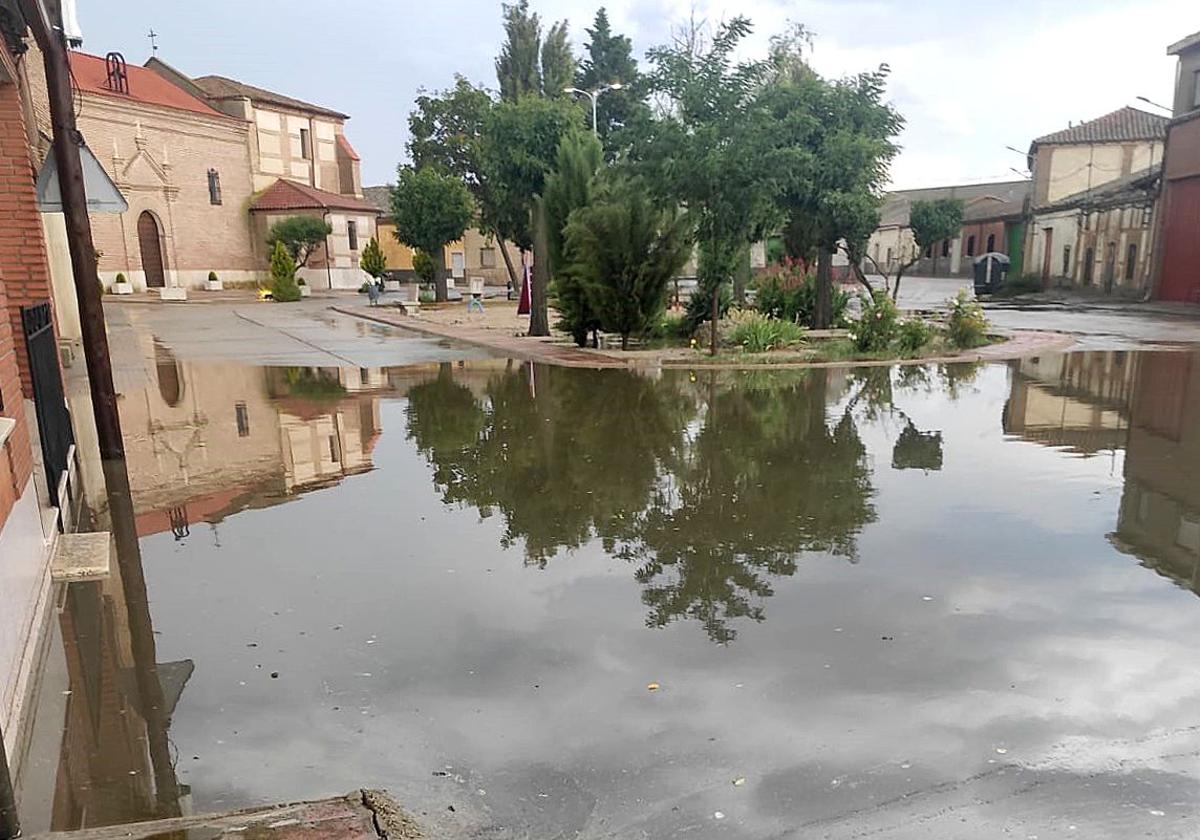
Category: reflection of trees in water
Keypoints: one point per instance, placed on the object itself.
(708, 516)
(573, 455)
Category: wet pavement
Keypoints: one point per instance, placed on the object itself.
(532, 602)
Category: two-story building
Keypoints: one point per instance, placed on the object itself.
(1178, 272)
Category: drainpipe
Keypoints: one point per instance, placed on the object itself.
(328, 256)
(10, 826)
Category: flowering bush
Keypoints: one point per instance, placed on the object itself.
(876, 327)
(913, 335)
(966, 325)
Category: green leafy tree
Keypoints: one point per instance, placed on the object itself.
(569, 187)
(711, 151)
(446, 131)
(423, 266)
(430, 208)
(300, 235)
(517, 68)
(931, 222)
(284, 288)
(520, 144)
(372, 260)
(608, 58)
(624, 252)
(558, 62)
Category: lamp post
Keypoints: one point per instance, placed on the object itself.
(594, 95)
(1152, 102)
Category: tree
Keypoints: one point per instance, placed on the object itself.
(624, 252)
(446, 131)
(568, 188)
(608, 58)
(558, 62)
(372, 260)
(517, 65)
(300, 235)
(519, 144)
(932, 222)
(431, 209)
(284, 288)
(423, 266)
(709, 152)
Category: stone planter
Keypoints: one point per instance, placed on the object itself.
(305, 291)
(391, 285)
(214, 285)
(122, 288)
(172, 293)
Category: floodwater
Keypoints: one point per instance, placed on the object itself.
(928, 601)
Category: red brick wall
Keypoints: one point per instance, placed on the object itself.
(22, 246)
(16, 457)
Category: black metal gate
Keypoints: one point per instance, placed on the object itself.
(54, 421)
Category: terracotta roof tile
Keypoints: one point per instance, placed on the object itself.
(346, 148)
(222, 87)
(288, 195)
(145, 86)
(1120, 126)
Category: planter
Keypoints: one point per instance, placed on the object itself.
(122, 288)
(214, 285)
(172, 293)
(391, 285)
(305, 291)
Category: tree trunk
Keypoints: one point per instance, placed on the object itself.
(512, 272)
(539, 319)
(823, 316)
(715, 318)
(624, 341)
(741, 276)
(440, 292)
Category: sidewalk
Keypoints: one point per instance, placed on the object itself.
(362, 815)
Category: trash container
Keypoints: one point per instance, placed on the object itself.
(991, 270)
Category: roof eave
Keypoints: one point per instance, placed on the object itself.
(1184, 44)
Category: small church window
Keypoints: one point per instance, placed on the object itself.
(214, 187)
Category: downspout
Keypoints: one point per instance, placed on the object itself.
(328, 255)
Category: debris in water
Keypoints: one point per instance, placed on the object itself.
(1156, 813)
(739, 781)
(652, 687)
(1001, 751)
(926, 598)
(888, 638)
(720, 815)
(274, 675)
(440, 773)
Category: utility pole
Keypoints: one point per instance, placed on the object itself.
(10, 826)
(51, 40)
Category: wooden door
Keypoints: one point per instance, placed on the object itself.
(1047, 248)
(150, 244)
(1181, 242)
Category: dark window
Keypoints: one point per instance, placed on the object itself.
(991, 242)
(243, 419)
(1066, 261)
(1130, 261)
(214, 187)
(333, 450)
(487, 257)
(1089, 266)
(116, 73)
(928, 251)
(305, 145)
(945, 247)
(352, 234)
(1196, 89)
(971, 246)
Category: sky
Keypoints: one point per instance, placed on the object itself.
(970, 79)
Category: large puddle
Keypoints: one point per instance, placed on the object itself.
(537, 602)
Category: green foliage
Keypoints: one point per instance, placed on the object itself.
(755, 332)
(672, 327)
(212, 277)
(789, 292)
(120, 278)
(423, 266)
(608, 58)
(933, 221)
(913, 335)
(624, 252)
(425, 296)
(372, 260)
(517, 65)
(966, 325)
(558, 61)
(430, 209)
(568, 188)
(284, 288)
(300, 235)
(877, 325)
(364, 288)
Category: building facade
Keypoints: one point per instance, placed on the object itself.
(1178, 272)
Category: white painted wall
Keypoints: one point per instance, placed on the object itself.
(1074, 169)
(1065, 225)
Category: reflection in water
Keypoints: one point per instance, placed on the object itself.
(684, 500)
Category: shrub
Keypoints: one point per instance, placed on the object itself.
(913, 335)
(786, 291)
(283, 275)
(426, 296)
(758, 333)
(364, 288)
(120, 278)
(966, 325)
(423, 266)
(372, 260)
(876, 328)
(212, 277)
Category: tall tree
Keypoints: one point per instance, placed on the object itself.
(624, 252)
(517, 68)
(568, 188)
(520, 142)
(558, 62)
(446, 131)
(431, 209)
(710, 152)
(608, 59)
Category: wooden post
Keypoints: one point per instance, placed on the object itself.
(67, 140)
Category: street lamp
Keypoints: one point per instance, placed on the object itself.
(1151, 102)
(594, 95)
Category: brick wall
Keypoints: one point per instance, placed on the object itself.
(16, 457)
(22, 246)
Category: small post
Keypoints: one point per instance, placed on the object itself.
(10, 826)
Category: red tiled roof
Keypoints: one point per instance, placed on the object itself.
(288, 195)
(1120, 126)
(145, 86)
(346, 148)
